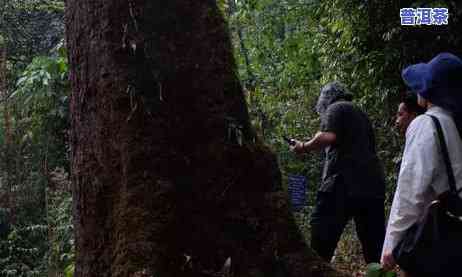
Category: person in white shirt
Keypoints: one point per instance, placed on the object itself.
(422, 176)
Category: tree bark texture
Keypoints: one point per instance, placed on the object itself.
(168, 177)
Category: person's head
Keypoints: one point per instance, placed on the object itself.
(438, 82)
(408, 109)
(331, 93)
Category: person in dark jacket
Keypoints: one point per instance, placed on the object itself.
(353, 183)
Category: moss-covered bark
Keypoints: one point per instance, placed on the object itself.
(168, 178)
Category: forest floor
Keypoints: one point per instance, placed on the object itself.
(348, 256)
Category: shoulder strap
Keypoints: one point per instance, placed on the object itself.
(444, 150)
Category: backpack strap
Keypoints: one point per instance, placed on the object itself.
(444, 150)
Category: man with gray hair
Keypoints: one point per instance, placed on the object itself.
(353, 183)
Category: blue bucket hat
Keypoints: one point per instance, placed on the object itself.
(439, 81)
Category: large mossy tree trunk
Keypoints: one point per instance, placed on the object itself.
(168, 178)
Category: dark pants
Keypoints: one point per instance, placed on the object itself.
(333, 211)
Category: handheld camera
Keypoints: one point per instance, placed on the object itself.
(290, 141)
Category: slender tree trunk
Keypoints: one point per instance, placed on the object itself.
(168, 178)
(244, 50)
(7, 169)
(49, 189)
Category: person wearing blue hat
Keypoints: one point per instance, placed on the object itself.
(422, 177)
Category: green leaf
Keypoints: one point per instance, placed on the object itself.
(69, 271)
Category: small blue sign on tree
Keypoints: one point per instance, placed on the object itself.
(297, 186)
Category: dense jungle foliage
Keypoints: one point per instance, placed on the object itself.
(286, 50)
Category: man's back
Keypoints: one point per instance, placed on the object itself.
(353, 183)
(352, 160)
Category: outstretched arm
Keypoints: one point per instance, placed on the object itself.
(320, 141)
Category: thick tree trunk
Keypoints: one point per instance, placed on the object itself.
(168, 178)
